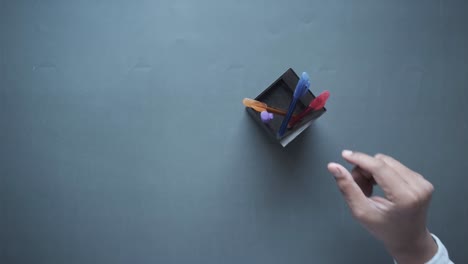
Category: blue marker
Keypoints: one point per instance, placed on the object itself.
(301, 88)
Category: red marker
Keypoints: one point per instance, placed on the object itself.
(316, 104)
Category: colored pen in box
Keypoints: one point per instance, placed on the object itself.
(260, 107)
(316, 104)
(301, 88)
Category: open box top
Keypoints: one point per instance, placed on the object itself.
(279, 95)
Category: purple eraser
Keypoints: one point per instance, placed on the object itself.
(266, 117)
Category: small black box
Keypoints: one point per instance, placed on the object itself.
(279, 95)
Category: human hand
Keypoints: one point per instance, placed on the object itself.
(399, 218)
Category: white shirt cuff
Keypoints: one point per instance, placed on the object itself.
(441, 256)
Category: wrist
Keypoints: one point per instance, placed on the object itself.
(420, 250)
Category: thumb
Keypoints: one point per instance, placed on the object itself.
(355, 198)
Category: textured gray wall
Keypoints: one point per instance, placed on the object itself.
(124, 139)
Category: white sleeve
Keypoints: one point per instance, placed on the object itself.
(441, 256)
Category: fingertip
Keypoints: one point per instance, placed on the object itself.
(331, 165)
(339, 171)
(346, 153)
(334, 168)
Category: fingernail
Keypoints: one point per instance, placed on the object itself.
(346, 153)
(335, 171)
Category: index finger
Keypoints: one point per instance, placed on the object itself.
(398, 166)
(387, 178)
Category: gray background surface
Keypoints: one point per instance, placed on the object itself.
(123, 138)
